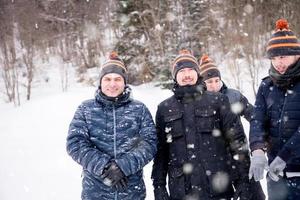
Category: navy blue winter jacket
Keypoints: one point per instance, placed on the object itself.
(104, 130)
(276, 123)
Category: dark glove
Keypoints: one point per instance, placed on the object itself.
(112, 174)
(242, 191)
(122, 184)
(160, 193)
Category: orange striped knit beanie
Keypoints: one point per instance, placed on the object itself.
(283, 42)
(185, 59)
(114, 64)
(207, 68)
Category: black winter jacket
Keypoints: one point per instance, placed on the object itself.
(198, 138)
(236, 96)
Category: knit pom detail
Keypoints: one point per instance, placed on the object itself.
(113, 55)
(282, 24)
(185, 52)
(205, 59)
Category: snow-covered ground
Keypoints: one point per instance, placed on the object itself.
(34, 163)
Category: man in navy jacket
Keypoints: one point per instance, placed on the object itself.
(112, 137)
(275, 127)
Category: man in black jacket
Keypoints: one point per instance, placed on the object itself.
(238, 102)
(201, 143)
(212, 78)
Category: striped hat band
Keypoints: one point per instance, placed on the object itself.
(114, 62)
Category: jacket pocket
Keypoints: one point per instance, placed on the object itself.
(205, 120)
(176, 183)
(174, 125)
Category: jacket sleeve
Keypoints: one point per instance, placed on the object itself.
(291, 148)
(81, 148)
(144, 151)
(247, 108)
(234, 133)
(160, 163)
(258, 122)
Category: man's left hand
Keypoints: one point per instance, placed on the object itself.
(276, 168)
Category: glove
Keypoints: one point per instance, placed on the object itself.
(112, 175)
(242, 191)
(276, 168)
(121, 185)
(258, 164)
(160, 193)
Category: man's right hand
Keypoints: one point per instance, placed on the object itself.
(258, 164)
(160, 193)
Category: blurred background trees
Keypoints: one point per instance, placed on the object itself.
(146, 33)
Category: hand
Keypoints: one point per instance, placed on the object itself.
(112, 174)
(242, 191)
(160, 193)
(276, 168)
(258, 164)
(121, 185)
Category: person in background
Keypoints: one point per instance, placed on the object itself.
(112, 137)
(275, 127)
(212, 78)
(239, 104)
(198, 137)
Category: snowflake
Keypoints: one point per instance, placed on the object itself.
(187, 168)
(168, 129)
(169, 138)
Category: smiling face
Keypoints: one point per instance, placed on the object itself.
(112, 84)
(186, 76)
(282, 63)
(213, 84)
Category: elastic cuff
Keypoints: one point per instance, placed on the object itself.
(256, 146)
(121, 164)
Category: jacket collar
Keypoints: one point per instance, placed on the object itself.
(117, 101)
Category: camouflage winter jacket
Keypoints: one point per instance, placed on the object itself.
(104, 130)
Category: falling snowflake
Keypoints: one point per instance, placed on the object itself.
(248, 9)
(187, 168)
(220, 181)
(169, 138)
(216, 133)
(168, 129)
(236, 157)
(237, 107)
(208, 172)
(190, 146)
(107, 182)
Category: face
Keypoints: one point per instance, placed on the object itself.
(112, 84)
(213, 84)
(186, 76)
(281, 63)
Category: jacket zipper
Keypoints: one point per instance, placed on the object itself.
(282, 116)
(115, 142)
